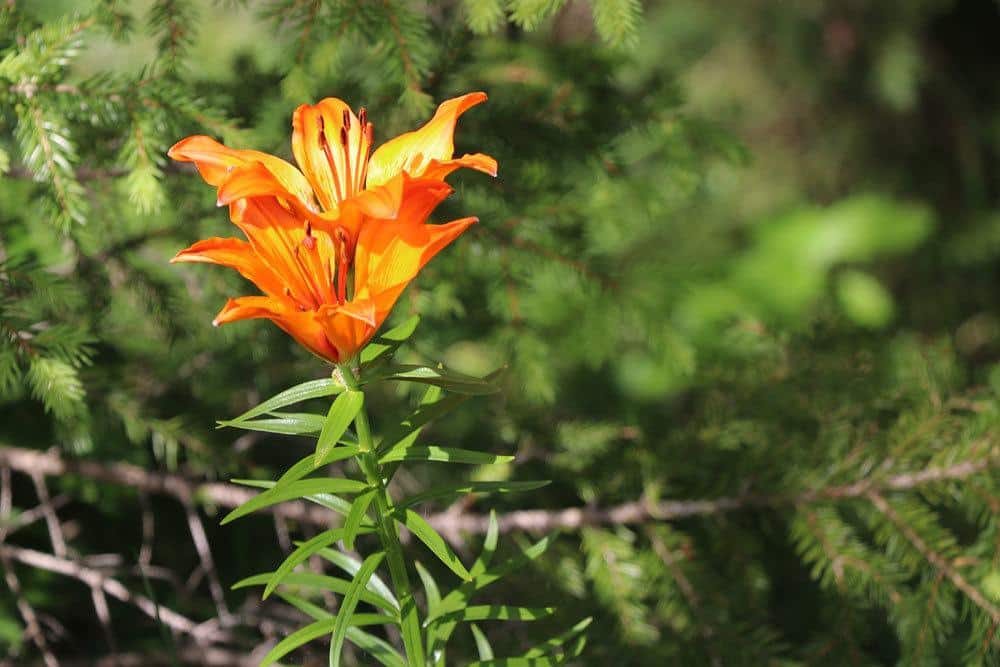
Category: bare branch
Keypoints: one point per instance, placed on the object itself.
(453, 525)
(114, 588)
(51, 520)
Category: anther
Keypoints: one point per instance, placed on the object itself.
(363, 117)
(347, 119)
(343, 137)
(308, 240)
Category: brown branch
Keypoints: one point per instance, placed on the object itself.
(98, 581)
(454, 524)
(934, 558)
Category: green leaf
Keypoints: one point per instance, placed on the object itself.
(417, 525)
(297, 394)
(314, 631)
(518, 662)
(377, 648)
(285, 423)
(351, 565)
(431, 591)
(386, 344)
(349, 604)
(459, 597)
(442, 455)
(356, 516)
(327, 500)
(308, 464)
(299, 489)
(450, 490)
(448, 380)
(408, 430)
(342, 413)
(482, 643)
(489, 546)
(497, 612)
(557, 641)
(303, 552)
(320, 582)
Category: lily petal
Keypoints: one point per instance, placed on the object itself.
(413, 152)
(215, 162)
(234, 254)
(304, 327)
(397, 253)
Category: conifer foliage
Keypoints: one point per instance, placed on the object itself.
(740, 263)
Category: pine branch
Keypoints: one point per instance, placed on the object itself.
(934, 558)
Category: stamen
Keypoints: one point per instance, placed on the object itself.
(347, 119)
(343, 263)
(348, 167)
(325, 147)
(308, 241)
(369, 136)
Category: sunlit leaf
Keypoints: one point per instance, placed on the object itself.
(319, 582)
(349, 603)
(482, 643)
(356, 516)
(299, 489)
(442, 455)
(342, 413)
(423, 531)
(284, 423)
(451, 490)
(384, 345)
(297, 394)
(314, 631)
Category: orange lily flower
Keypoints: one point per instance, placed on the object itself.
(331, 259)
(341, 183)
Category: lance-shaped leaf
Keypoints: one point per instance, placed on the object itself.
(439, 377)
(327, 500)
(308, 464)
(314, 631)
(299, 489)
(496, 612)
(459, 598)
(351, 565)
(342, 413)
(442, 455)
(320, 582)
(377, 648)
(438, 633)
(432, 407)
(417, 525)
(431, 591)
(297, 394)
(284, 423)
(489, 546)
(482, 643)
(545, 661)
(353, 524)
(552, 645)
(349, 604)
(385, 345)
(303, 552)
(451, 490)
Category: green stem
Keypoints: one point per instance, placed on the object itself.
(368, 460)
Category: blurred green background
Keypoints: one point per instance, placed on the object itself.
(740, 250)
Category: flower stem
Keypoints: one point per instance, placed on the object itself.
(368, 461)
